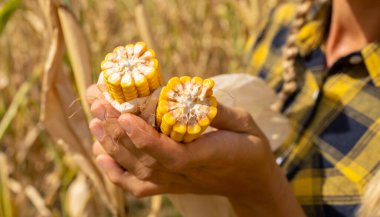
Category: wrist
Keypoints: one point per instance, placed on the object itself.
(275, 199)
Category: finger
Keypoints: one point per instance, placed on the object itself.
(235, 119)
(111, 146)
(142, 170)
(110, 166)
(103, 110)
(147, 139)
(126, 180)
(97, 149)
(93, 93)
(145, 166)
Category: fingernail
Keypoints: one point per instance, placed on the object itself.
(99, 133)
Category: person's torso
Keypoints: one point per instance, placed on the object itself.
(333, 150)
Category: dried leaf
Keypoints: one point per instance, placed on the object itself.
(5, 197)
(155, 206)
(18, 99)
(143, 25)
(77, 197)
(37, 200)
(57, 106)
(78, 53)
(30, 138)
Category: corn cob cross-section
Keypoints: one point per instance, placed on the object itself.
(186, 107)
(131, 72)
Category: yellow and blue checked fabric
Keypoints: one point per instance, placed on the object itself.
(334, 148)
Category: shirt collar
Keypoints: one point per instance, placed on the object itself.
(371, 56)
(311, 36)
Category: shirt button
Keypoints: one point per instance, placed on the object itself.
(356, 59)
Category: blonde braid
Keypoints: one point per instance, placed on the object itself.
(289, 55)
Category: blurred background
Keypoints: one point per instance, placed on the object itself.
(50, 51)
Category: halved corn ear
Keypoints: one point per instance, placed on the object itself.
(131, 72)
(186, 107)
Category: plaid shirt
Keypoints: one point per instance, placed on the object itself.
(334, 149)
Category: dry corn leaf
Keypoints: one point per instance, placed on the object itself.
(27, 143)
(77, 197)
(79, 55)
(5, 197)
(57, 106)
(144, 25)
(77, 49)
(155, 206)
(18, 99)
(37, 200)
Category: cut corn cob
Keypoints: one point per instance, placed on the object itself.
(186, 108)
(131, 72)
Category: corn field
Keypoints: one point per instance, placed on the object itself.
(50, 52)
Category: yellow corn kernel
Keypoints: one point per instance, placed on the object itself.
(110, 57)
(115, 88)
(173, 82)
(193, 129)
(129, 50)
(193, 132)
(107, 73)
(129, 88)
(142, 85)
(165, 129)
(212, 113)
(139, 49)
(197, 80)
(212, 101)
(191, 110)
(154, 63)
(151, 53)
(168, 121)
(164, 95)
(209, 84)
(136, 69)
(185, 79)
(162, 108)
(204, 122)
(106, 65)
(118, 49)
(178, 132)
(151, 75)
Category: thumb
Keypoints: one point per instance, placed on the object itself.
(235, 119)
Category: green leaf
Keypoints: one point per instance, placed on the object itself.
(6, 12)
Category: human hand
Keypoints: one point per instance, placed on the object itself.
(234, 160)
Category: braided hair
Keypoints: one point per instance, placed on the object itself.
(289, 55)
